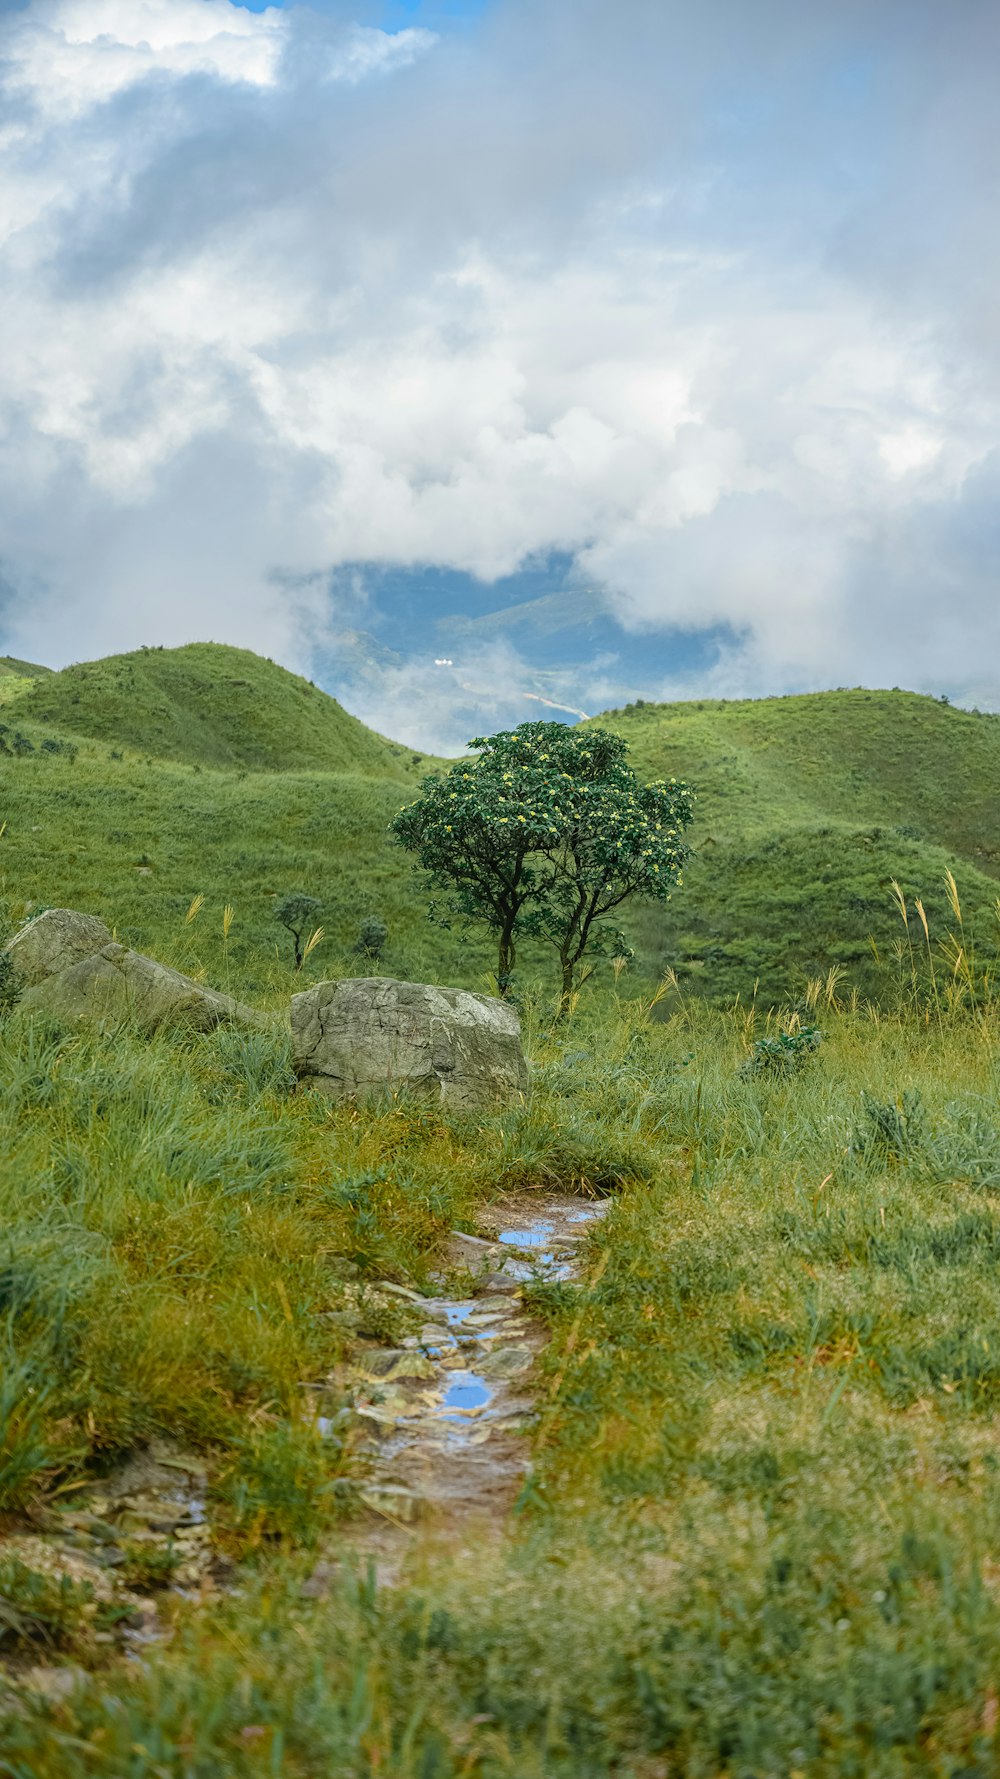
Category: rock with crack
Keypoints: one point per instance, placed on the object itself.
(372, 1035)
(69, 964)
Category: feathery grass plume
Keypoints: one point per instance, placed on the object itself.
(228, 916)
(315, 938)
(197, 904)
(918, 904)
(834, 977)
(952, 888)
(900, 901)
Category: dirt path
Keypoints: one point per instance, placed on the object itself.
(444, 1413)
(442, 1449)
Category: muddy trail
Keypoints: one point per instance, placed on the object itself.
(439, 1444)
(442, 1417)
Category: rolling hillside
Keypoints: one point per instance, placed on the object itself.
(208, 705)
(807, 808)
(208, 771)
(858, 757)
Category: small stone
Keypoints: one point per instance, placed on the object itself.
(400, 1291)
(504, 1362)
(393, 1500)
(393, 1366)
(497, 1282)
(469, 1250)
(55, 1684)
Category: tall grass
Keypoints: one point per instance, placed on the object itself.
(760, 1530)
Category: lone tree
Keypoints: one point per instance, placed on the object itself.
(546, 832)
(296, 912)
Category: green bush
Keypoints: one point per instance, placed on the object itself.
(372, 938)
(783, 1053)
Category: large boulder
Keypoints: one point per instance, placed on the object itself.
(68, 964)
(372, 1033)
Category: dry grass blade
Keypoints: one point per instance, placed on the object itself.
(315, 938)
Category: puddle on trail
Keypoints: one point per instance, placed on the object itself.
(442, 1412)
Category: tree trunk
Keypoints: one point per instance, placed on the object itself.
(566, 993)
(505, 965)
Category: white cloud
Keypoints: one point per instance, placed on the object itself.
(70, 55)
(554, 287)
(365, 51)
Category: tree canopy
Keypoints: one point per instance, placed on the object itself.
(546, 832)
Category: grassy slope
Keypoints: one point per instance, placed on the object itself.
(761, 1536)
(761, 1533)
(9, 664)
(241, 782)
(135, 843)
(807, 808)
(209, 705)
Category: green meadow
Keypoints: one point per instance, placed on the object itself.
(760, 1533)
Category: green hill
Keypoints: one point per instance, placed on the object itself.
(209, 705)
(857, 757)
(208, 771)
(807, 808)
(9, 664)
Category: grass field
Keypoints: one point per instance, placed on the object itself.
(761, 1533)
(761, 1530)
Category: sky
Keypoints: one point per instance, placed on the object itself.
(667, 333)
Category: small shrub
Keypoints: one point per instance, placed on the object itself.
(571, 1158)
(784, 1053)
(371, 939)
(889, 1132)
(149, 1566)
(967, 1150)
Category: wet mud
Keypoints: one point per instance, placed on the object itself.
(444, 1415)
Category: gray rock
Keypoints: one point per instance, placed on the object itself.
(470, 1250)
(53, 942)
(68, 964)
(373, 1034)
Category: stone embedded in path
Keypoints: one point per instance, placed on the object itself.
(68, 964)
(373, 1034)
